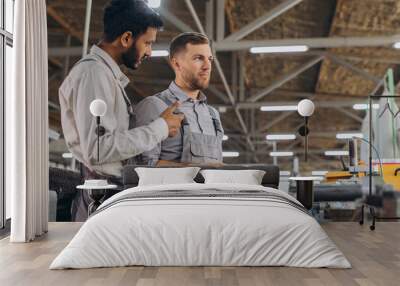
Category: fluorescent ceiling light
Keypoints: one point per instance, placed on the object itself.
(230, 154)
(225, 137)
(279, 49)
(222, 109)
(396, 45)
(349, 135)
(273, 137)
(336, 153)
(364, 106)
(159, 53)
(154, 3)
(319, 173)
(281, 154)
(67, 155)
(279, 108)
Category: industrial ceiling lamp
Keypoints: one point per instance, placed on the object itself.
(98, 108)
(305, 108)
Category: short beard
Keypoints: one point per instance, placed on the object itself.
(131, 58)
(194, 83)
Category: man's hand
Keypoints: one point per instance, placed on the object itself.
(173, 120)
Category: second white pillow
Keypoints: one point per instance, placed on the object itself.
(166, 176)
(247, 177)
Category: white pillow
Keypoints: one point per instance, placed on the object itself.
(247, 177)
(166, 176)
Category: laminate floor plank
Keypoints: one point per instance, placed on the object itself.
(374, 255)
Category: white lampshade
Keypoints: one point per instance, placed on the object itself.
(98, 107)
(305, 108)
(154, 3)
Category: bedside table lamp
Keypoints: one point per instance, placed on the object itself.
(98, 108)
(305, 108)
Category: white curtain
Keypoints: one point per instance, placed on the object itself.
(27, 124)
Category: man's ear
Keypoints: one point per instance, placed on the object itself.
(126, 39)
(174, 63)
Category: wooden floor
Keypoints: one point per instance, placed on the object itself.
(375, 257)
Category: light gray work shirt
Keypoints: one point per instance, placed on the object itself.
(98, 76)
(197, 117)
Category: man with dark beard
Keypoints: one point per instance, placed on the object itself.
(130, 29)
(199, 141)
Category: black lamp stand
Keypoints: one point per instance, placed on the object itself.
(303, 131)
(100, 130)
(367, 204)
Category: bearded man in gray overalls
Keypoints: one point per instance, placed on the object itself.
(130, 29)
(199, 141)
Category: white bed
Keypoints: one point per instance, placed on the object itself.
(264, 229)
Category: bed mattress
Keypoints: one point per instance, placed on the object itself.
(201, 225)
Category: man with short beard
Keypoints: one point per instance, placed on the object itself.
(130, 29)
(199, 141)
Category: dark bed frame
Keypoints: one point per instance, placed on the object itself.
(270, 179)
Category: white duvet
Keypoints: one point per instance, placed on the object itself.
(203, 231)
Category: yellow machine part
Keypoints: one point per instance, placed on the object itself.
(331, 177)
(389, 177)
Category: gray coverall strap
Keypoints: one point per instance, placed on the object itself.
(164, 98)
(217, 123)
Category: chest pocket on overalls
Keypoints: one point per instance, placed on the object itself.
(205, 148)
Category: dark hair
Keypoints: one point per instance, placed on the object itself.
(179, 42)
(135, 16)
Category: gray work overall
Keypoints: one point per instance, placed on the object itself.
(79, 207)
(199, 148)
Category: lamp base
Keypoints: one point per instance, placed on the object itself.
(373, 216)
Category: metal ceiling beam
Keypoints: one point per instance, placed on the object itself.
(278, 119)
(86, 30)
(242, 73)
(356, 70)
(210, 4)
(350, 114)
(312, 43)
(218, 93)
(261, 21)
(225, 83)
(65, 51)
(54, 105)
(176, 21)
(220, 35)
(67, 59)
(76, 51)
(196, 18)
(302, 94)
(349, 57)
(64, 24)
(234, 75)
(282, 80)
